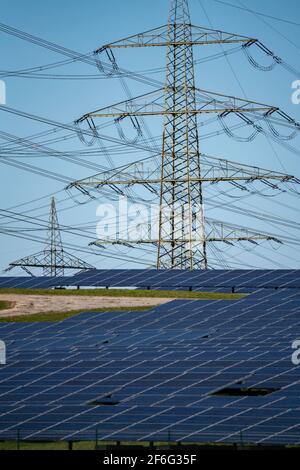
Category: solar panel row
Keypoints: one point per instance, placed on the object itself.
(187, 370)
(157, 279)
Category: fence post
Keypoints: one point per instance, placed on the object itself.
(96, 444)
(18, 439)
(241, 436)
(169, 436)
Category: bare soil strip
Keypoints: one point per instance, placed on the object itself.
(31, 304)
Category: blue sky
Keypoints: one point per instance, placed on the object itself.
(84, 26)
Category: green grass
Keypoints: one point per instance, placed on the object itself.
(58, 316)
(126, 293)
(90, 445)
(61, 445)
(5, 304)
(12, 445)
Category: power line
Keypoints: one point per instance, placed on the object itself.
(283, 20)
(273, 28)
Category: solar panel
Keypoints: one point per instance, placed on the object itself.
(27, 282)
(183, 278)
(175, 372)
(216, 280)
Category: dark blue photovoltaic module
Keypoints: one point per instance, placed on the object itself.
(188, 370)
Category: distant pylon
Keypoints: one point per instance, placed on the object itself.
(53, 259)
(54, 253)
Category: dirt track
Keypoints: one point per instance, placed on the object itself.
(29, 304)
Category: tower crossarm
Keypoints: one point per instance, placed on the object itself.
(37, 260)
(214, 170)
(158, 37)
(218, 231)
(215, 179)
(235, 237)
(32, 261)
(152, 104)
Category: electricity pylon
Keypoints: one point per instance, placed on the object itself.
(53, 259)
(182, 236)
(181, 155)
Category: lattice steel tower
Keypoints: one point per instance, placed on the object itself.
(181, 241)
(183, 232)
(54, 253)
(54, 260)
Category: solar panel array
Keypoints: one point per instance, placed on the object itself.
(157, 279)
(184, 278)
(161, 374)
(27, 282)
